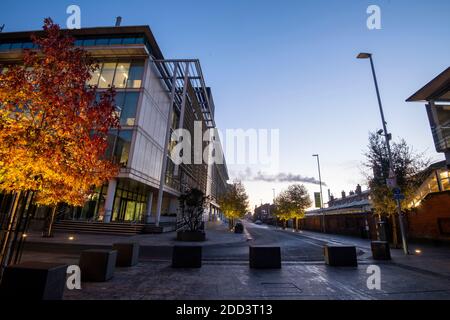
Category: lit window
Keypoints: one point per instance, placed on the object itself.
(95, 76)
(121, 78)
(107, 75)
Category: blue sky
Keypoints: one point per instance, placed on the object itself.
(290, 65)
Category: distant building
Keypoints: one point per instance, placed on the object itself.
(351, 215)
(265, 213)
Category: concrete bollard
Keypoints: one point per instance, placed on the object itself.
(265, 257)
(187, 257)
(34, 281)
(97, 265)
(127, 254)
(340, 255)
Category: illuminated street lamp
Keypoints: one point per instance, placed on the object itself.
(391, 181)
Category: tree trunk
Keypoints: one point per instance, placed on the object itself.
(296, 224)
(49, 232)
(394, 231)
(284, 224)
(5, 252)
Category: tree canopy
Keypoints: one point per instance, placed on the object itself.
(234, 202)
(407, 165)
(292, 203)
(53, 131)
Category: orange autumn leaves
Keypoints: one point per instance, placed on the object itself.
(53, 134)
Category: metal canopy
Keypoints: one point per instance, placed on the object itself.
(187, 73)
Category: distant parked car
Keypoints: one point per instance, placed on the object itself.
(258, 222)
(238, 228)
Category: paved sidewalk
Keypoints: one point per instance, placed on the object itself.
(234, 281)
(428, 258)
(217, 233)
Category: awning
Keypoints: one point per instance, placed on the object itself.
(437, 89)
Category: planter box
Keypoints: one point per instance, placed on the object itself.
(191, 236)
(34, 281)
(381, 250)
(187, 257)
(264, 257)
(340, 256)
(97, 265)
(127, 254)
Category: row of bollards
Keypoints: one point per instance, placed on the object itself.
(46, 281)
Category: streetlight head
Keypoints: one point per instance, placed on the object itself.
(315, 155)
(364, 55)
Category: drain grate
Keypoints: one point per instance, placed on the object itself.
(280, 289)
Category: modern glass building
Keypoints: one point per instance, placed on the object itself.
(154, 97)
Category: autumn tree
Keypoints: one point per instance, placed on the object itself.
(292, 204)
(53, 130)
(234, 202)
(408, 167)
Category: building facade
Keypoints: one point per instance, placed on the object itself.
(155, 97)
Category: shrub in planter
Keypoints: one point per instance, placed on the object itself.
(192, 206)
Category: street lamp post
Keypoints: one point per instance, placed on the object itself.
(273, 201)
(321, 194)
(387, 137)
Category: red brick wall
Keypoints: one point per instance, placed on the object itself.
(347, 224)
(431, 220)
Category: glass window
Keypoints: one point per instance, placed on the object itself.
(17, 45)
(89, 42)
(78, 43)
(135, 74)
(95, 76)
(107, 75)
(28, 45)
(115, 41)
(128, 114)
(101, 42)
(129, 41)
(140, 40)
(5, 46)
(123, 145)
(121, 78)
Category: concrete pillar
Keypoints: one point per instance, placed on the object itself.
(109, 201)
(148, 214)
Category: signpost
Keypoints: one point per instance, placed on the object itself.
(317, 200)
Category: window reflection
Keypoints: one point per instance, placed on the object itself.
(127, 104)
